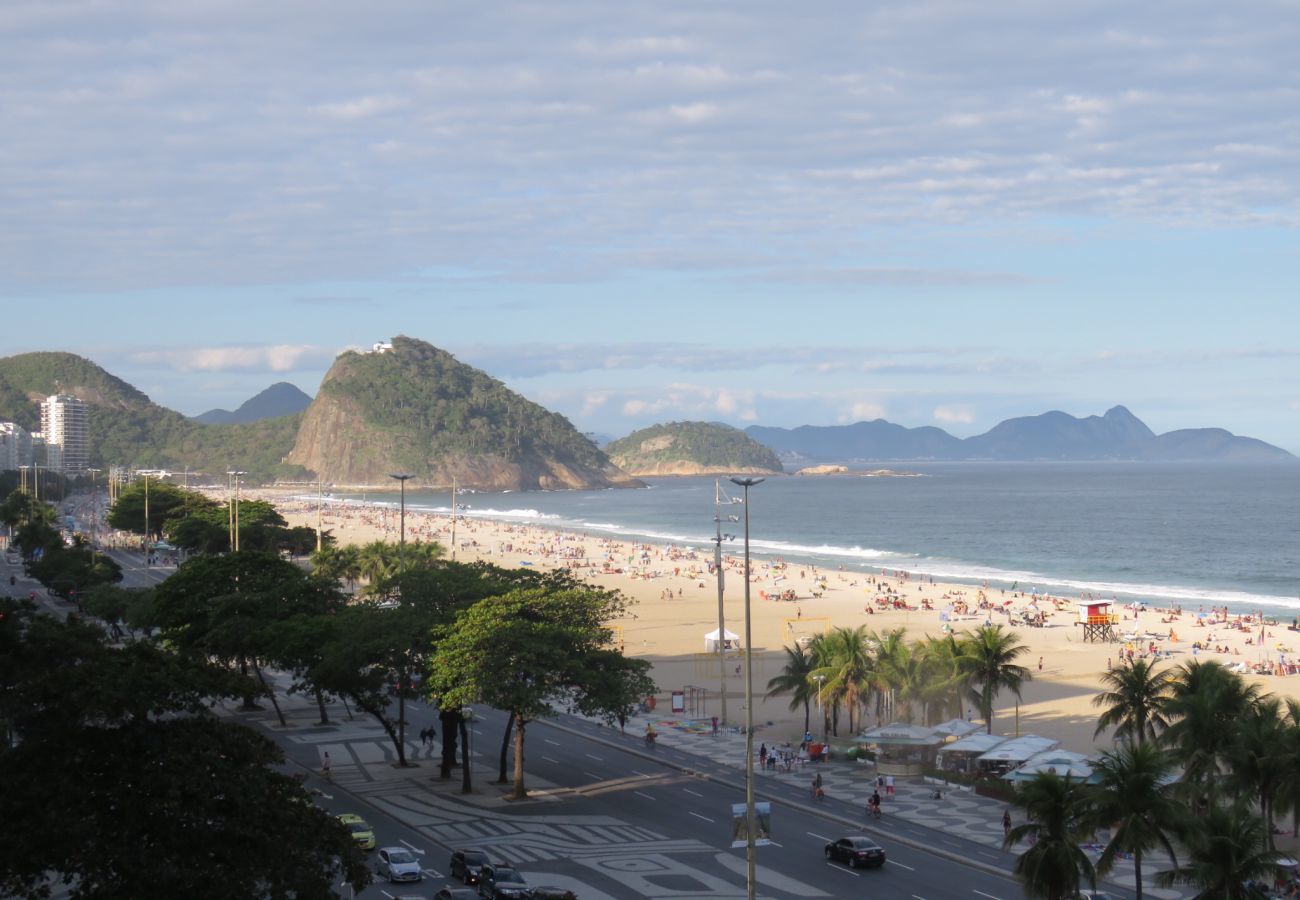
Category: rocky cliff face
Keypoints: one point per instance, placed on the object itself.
(415, 409)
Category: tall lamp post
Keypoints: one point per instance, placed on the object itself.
(750, 850)
(821, 679)
(146, 518)
(234, 510)
(401, 534)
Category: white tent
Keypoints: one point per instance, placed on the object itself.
(730, 641)
(1017, 750)
(956, 728)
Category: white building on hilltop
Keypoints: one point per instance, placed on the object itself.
(64, 425)
(15, 446)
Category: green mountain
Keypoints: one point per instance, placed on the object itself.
(126, 428)
(692, 448)
(414, 408)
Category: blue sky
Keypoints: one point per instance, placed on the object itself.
(940, 213)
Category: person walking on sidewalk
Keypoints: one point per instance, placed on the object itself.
(325, 764)
(1006, 822)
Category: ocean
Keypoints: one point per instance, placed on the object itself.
(1187, 534)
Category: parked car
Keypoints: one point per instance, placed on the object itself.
(466, 864)
(551, 892)
(456, 893)
(398, 864)
(362, 833)
(502, 880)
(857, 850)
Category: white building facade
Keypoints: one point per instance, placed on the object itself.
(15, 446)
(64, 425)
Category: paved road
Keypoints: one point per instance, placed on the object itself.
(609, 820)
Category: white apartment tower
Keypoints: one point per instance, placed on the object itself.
(15, 446)
(63, 423)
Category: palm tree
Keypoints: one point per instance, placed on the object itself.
(1134, 796)
(1259, 758)
(1134, 701)
(844, 660)
(376, 561)
(1225, 852)
(989, 653)
(1289, 790)
(1206, 703)
(945, 677)
(901, 670)
(1058, 813)
(794, 681)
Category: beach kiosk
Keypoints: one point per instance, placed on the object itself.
(1005, 757)
(960, 755)
(713, 641)
(1097, 620)
(1065, 763)
(902, 749)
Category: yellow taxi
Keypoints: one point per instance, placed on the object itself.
(362, 833)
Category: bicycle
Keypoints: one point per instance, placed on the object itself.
(873, 810)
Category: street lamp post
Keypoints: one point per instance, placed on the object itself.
(234, 510)
(821, 679)
(750, 850)
(146, 518)
(401, 534)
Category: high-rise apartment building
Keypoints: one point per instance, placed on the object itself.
(63, 422)
(15, 446)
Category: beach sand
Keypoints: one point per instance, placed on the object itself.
(676, 604)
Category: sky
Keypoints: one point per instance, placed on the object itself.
(934, 212)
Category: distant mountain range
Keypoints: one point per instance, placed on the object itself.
(280, 399)
(1118, 435)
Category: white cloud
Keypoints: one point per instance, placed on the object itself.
(862, 411)
(361, 107)
(276, 358)
(962, 415)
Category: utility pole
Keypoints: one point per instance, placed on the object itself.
(722, 624)
(453, 518)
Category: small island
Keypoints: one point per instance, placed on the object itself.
(845, 470)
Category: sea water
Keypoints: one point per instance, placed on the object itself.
(1186, 534)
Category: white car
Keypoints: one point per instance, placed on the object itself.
(398, 864)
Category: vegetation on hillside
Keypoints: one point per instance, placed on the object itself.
(424, 403)
(706, 444)
(126, 428)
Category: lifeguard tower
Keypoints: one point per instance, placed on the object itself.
(1097, 620)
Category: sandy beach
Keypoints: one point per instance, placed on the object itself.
(676, 604)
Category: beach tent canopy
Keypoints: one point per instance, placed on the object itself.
(1065, 763)
(899, 734)
(956, 728)
(730, 641)
(1017, 750)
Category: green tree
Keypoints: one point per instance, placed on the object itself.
(1134, 796)
(527, 651)
(1133, 702)
(165, 502)
(795, 681)
(846, 665)
(1259, 758)
(945, 677)
(991, 654)
(1226, 853)
(71, 571)
(1058, 820)
(1205, 706)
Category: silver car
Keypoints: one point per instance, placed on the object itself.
(398, 864)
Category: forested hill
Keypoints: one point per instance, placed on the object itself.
(126, 428)
(415, 408)
(692, 448)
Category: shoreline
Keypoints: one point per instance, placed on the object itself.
(675, 604)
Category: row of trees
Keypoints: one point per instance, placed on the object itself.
(523, 641)
(1205, 761)
(66, 569)
(858, 669)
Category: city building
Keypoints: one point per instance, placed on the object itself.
(64, 425)
(15, 446)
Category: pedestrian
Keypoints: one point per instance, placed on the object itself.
(889, 785)
(715, 724)
(1006, 822)
(1040, 664)
(325, 764)
(762, 756)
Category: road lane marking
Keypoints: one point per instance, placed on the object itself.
(591, 776)
(642, 774)
(698, 816)
(552, 743)
(990, 896)
(412, 848)
(842, 869)
(639, 794)
(696, 793)
(894, 862)
(917, 897)
(596, 758)
(818, 836)
(549, 760)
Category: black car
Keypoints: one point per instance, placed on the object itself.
(551, 892)
(467, 864)
(502, 880)
(858, 850)
(455, 893)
